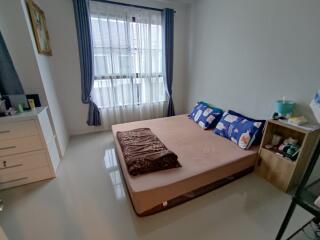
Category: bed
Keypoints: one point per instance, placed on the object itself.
(208, 161)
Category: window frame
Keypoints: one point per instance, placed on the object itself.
(131, 76)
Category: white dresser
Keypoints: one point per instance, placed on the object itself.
(28, 151)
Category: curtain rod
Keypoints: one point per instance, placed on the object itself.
(129, 5)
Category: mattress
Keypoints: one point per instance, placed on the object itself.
(204, 156)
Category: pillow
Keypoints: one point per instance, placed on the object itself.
(210, 105)
(205, 116)
(259, 134)
(238, 129)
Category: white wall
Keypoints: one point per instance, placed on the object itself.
(246, 54)
(35, 71)
(66, 66)
(47, 72)
(65, 59)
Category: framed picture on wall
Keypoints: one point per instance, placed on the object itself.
(39, 27)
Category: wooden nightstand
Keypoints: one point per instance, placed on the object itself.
(281, 171)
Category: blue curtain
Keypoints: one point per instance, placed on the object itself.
(168, 30)
(9, 80)
(82, 17)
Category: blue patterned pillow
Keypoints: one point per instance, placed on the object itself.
(259, 134)
(238, 129)
(205, 116)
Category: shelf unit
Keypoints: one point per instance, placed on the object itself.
(281, 171)
(304, 196)
(309, 195)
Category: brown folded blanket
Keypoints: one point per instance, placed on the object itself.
(143, 152)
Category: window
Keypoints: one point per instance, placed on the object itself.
(127, 46)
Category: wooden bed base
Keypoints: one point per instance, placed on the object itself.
(190, 195)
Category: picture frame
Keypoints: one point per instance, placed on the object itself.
(39, 27)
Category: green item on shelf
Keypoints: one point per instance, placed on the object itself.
(20, 108)
(291, 151)
(285, 107)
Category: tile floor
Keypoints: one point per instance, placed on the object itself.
(87, 201)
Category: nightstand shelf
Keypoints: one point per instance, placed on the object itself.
(281, 171)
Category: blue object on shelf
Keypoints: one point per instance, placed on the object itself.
(317, 97)
(285, 107)
(315, 106)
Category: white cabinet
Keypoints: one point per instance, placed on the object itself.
(28, 150)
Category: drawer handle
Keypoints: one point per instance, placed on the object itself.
(13, 166)
(6, 148)
(5, 131)
(14, 180)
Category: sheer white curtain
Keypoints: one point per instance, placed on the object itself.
(127, 44)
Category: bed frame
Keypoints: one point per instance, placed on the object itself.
(187, 196)
(218, 162)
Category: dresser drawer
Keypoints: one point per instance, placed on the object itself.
(18, 129)
(12, 180)
(20, 145)
(22, 162)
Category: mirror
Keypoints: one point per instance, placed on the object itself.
(9, 79)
